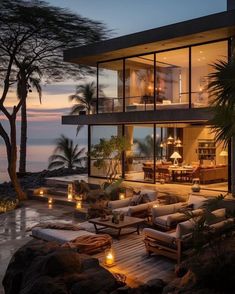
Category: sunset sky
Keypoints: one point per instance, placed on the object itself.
(123, 17)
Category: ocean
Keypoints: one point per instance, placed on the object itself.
(38, 152)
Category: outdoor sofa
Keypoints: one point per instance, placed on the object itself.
(140, 205)
(180, 242)
(166, 217)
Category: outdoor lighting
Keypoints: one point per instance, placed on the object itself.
(79, 204)
(175, 156)
(41, 192)
(70, 192)
(121, 196)
(50, 200)
(109, 258)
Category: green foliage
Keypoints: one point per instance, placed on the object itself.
(66, 154)
(222, 89)
(108, 155)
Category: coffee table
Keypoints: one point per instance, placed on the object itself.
(126, 223)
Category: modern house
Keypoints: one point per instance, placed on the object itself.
(152, 89)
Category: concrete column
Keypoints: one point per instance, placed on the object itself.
(230, 4)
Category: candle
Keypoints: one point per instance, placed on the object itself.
(70, 197)
(50, 200)
(79, 204)
(109, 258)
(121, 196)
(41, 192)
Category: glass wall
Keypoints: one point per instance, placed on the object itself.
(103, 132)
(139, 83)
(171, 85)
(110, 77)
(202, 58)
(172, 79)
(140, 157)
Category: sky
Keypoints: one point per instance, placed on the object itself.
(122, 17)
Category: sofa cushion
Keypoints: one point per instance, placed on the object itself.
(152, 195)
(216, 216)
(119, 203)
(184, 228)
(60, 236)
(197, 201)
(176, 218)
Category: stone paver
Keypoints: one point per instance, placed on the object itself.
(14, 224)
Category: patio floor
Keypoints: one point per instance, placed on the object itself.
(131, 258)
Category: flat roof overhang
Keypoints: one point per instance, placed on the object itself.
(197, 115)
(204, 29)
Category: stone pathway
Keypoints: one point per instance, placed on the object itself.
(14, 224)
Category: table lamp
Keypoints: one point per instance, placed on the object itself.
(175, 155)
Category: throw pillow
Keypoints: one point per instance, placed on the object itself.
(144, 198)
(135, 200)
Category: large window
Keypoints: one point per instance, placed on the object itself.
(110, 89)
(202, 59)
(103, 132)
(140, 156)
(172, 79)
(139, 83)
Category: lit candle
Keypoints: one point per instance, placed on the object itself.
(70, 196)
(78, 204)
(41, 192)
(109, 258)
(50, 200)
(156, 205)
(121, 196)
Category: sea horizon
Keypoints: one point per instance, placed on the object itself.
(38, 153)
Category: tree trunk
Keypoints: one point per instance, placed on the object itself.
(12, 162)
(23, 138)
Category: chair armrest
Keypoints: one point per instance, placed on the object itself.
(119, 203)
(158, 236)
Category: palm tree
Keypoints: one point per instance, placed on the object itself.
(85, 98)
(146, 146)
(222, 89)
(66, 154)
(28, 77)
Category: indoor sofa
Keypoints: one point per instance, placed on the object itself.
(179, 243)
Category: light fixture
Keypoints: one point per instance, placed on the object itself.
(79, 204)
(109, 258)
(121, 196)
(70, 192)
(41, 192)
(161, 145)
(223, 153)
(175, 155)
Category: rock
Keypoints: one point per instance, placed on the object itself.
(46, 268)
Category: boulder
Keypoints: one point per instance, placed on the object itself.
(46, 268)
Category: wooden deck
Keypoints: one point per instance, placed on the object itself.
(133, 261)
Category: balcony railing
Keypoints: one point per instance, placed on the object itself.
(146, 103)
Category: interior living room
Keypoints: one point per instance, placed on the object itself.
(152, 89)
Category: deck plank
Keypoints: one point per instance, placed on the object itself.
(132, 261)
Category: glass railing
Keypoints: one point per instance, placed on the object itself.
(146, 103)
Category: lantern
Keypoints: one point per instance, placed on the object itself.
(41, 192)
(79, 204)
(109, 258)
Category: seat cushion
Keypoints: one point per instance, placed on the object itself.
(159, 236)
(59, 236)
